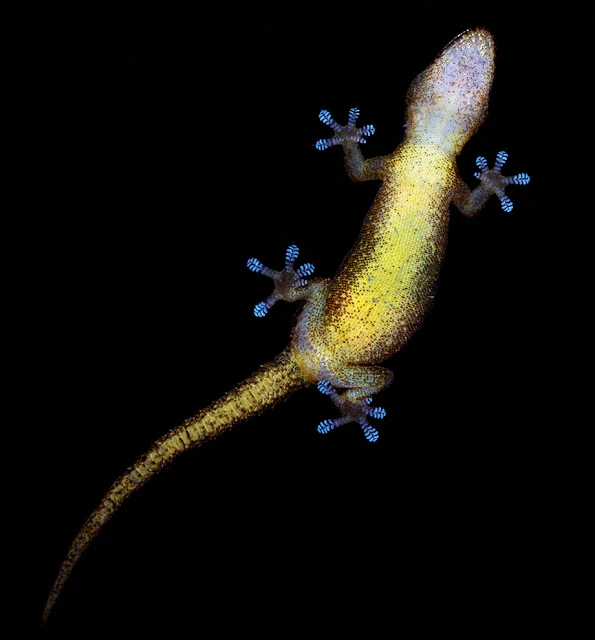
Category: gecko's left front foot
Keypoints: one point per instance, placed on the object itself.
(290, 285)
(494, 182)
(351, 412)
(343, 135)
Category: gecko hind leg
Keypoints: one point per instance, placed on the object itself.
(290, 284)
(354, 403)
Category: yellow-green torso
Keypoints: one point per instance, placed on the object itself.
(385, 285)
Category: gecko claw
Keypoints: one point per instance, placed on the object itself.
(343, 135)
(370, 432)
(325, 387)
(495, 182)
(327, 425)
(351, 412)
(261, 309)
(376, 412)
(289, 283)
(255, 265)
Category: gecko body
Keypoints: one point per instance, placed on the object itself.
(350, 323)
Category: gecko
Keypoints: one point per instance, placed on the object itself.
(380, 294)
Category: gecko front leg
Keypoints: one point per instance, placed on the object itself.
(492, 181)
(349, 137)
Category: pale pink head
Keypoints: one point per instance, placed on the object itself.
(448, 101)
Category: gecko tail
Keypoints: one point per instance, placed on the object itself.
(271, 383)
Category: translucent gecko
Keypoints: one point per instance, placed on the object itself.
(352, 322)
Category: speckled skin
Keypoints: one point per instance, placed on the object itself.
(385, 285)
(382, 290)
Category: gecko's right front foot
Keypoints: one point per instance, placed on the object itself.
(343, 135)
(290, 285)
(494, 182)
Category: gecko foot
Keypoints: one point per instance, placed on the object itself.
(346, 134)
(351, 412)
(289, 283)
(495, 182)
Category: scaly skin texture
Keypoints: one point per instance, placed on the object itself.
(383, 289)
(385, 286)
(272, 383)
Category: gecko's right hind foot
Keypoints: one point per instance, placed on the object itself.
(289, 283)
(343, 135)
(351, 412)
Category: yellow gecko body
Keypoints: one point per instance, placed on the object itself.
(383, 289)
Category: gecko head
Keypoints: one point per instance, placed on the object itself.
(448, 101)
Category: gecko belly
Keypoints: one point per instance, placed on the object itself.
(386, 284)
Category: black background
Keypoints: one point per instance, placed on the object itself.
(172, 146)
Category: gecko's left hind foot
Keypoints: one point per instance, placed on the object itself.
(351, 412)
(289, 283)
(495, 182)
(344, 135)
